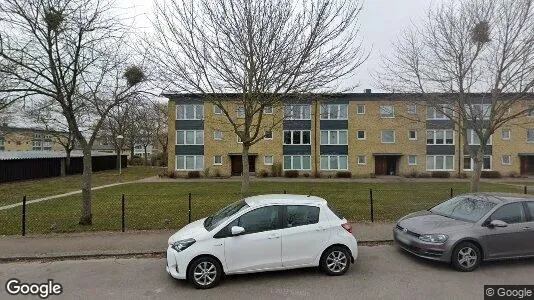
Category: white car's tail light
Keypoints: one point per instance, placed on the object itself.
(347, 227)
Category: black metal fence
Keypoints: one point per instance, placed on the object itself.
(172, 211)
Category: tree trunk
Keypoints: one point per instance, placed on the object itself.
(146, 156)
(245, 176)
(67, 160)
(478, 161)
(87, 217)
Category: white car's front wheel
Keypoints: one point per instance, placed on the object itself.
(335, 261)
(205, 273)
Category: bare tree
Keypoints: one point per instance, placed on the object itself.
(262, 51)
(68, 51)
(161, 129)
(472, 61)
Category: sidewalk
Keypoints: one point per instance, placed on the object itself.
(94, 244)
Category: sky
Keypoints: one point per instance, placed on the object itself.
(380, 23)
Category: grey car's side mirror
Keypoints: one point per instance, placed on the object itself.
(237, 230)
(498, 223)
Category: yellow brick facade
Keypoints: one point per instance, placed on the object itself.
(22, 139)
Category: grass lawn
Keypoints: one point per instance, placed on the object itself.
(164, 205)
(14, 191)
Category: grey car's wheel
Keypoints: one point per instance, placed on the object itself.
(204, 273)
(335, 261)
(466, 257)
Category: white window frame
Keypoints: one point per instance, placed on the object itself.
(364, 135)
(444, 162)
(382, 136)
(528, 130)
(471, 164)
(265, 135)
(215, 135)
(411, 111)
(195, 117)
(509, 134)
(301, 137)
(217, 110)
(329, 115)
(444, 136)
(301, 113)
(195, 168)
(382, 107)
(268, 110)
(329, 167)
(485, 110)
(215, 163)
(435, 112)
(409, 137)
(471, 133)
(265, 160)
(360, 162)
(195, 142)
(357, 109)
(240, 112)
(509, 163)
(338, 134)
(301, 162)
(414, 163)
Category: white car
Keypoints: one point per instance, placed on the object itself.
(262, 233)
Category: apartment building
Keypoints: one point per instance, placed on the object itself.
(363, 133)
(28, 139)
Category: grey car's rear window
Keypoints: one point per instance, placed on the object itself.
(464, 208)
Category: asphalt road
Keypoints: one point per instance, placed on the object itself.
(381, 272)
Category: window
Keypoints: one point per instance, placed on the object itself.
(268, 110)
(387, 111)
(268, 135)
(506, 134)
(478, 111)
(2, 143)
(189, 112)
(217, 135)
(411, 109)
(510, 213)
(334, 111)
(388, 136)
(440, 163)
(530, 136)
(37, 145)
(190, 162)
(412, 160)
(334, 137)
(473, 139)
(530, 112)
(361, 134)
(362, 160)
(241, 112)
(469, 163)
(440, 137)
(300, 215)
(334, 162)
(268, 160)
(412, 135)
(190, 137)
(260, 220)
(506, 159)
(530, 207)
(360, 109)
(441, 112)
(217, 110)
(217, 160)
(297, 162)
(297, 112)
(296, 137)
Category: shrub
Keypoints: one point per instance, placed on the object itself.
(158, 159)
(137, 161)
(372, 175)
(441, 174)
(412, 174)
(462, 175)
(277, 170)
(514, 174)
(291, 174)
(263, 173)
(344, 174)
(306, 175)
(193, 174)
(490, 174)
(424, 175)
(167, 174)
(217, 173)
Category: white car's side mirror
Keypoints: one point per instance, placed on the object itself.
(237, 230)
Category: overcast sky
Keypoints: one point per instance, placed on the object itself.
(380, 22)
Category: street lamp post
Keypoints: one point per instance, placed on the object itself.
(119, 139)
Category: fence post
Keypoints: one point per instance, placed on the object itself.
(123, 221)
(452, 192)
(285, 192)
(371, 204)
(525, 189)
(24, 216)
(189, 209)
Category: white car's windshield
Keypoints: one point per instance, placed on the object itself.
(463, 208)
(223, 214)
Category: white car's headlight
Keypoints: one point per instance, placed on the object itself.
(434, 238)
(182, 245)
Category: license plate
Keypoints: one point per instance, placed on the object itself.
(403, 238)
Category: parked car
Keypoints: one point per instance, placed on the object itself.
(262, 233)
(471, 228)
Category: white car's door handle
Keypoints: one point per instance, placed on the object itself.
(320, 229)
(274, 236)
(526, 228)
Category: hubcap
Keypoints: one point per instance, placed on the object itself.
(204, 273)
(336, 261)
(467, 257)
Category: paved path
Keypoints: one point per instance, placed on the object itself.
(381, 272)
(64, 195)
(118, 243)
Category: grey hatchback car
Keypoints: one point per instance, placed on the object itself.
(471, 228)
